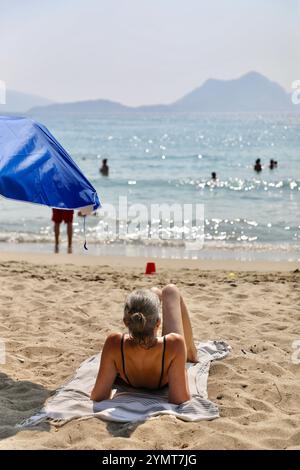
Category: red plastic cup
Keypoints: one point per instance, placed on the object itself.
(150, 268)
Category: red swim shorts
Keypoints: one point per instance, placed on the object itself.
(59, 215)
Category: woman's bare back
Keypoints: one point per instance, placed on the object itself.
(144, 368)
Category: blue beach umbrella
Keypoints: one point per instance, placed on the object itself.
(35, 168)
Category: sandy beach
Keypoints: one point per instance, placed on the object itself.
(57, 310)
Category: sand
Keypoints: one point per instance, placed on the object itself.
(57, 310)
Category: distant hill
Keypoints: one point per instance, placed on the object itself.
(251, 92)
(90, 106)
(18, 102)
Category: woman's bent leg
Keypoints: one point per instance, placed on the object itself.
(176, 319)
(171, 310)
(188, 332)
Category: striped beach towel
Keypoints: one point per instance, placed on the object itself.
(131, 405)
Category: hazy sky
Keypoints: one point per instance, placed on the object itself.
(143, 51)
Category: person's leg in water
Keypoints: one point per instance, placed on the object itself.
(176, 318)
(70, 235)
(56, 233)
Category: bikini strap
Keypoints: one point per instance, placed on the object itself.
(123, 359)
(162, 363)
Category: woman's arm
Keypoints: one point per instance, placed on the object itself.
(177, 376)
(107, 370)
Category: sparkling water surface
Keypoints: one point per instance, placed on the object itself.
(169, 158)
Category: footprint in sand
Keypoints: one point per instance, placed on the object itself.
(257, 313)
(241, 296)
(259, 405)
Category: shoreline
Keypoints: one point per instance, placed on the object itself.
(261, 253)
(140, 262)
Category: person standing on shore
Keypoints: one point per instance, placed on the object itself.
(59, 215)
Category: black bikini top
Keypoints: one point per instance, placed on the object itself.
(162, 362)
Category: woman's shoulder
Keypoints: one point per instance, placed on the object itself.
(175, 342)
(114, 334)
(113, 339)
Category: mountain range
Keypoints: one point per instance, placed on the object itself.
(251, 92)
(18, 102)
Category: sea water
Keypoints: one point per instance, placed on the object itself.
(157, 158)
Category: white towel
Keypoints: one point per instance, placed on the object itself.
(128, 404)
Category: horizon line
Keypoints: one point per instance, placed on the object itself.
(143, 105)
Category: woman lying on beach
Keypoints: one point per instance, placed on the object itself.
(142, 359)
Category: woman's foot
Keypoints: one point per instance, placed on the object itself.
(157, 291)
(192, 355)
